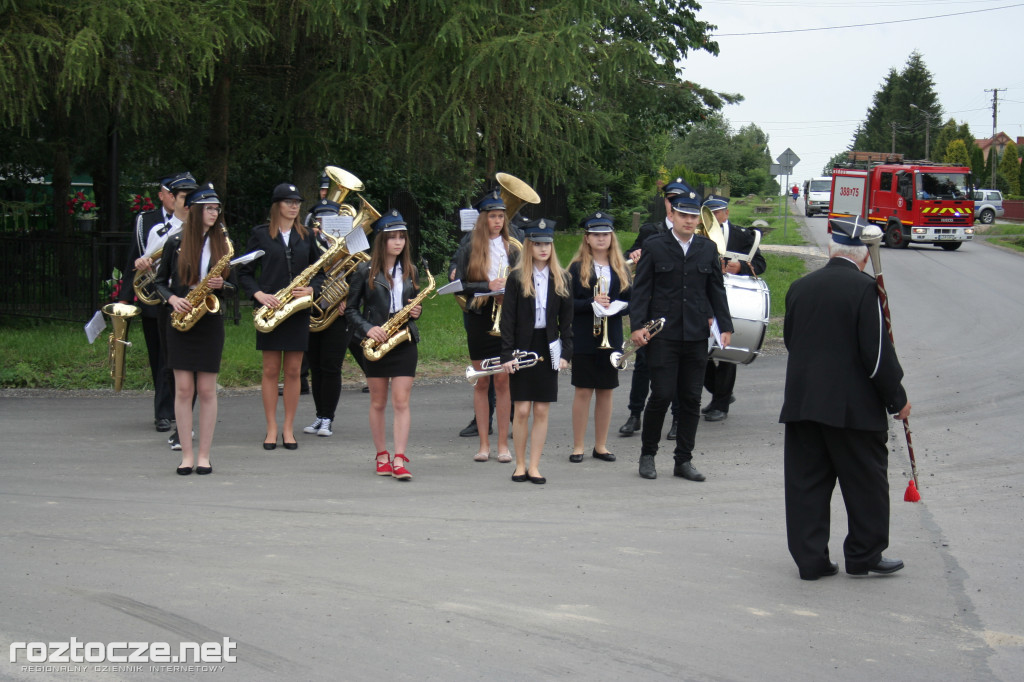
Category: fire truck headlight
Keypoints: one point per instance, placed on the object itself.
(920, 230)
(968, 230)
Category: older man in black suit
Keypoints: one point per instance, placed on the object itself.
(679, 278)
(841, 377)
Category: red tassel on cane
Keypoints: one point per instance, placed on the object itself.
(911, 495)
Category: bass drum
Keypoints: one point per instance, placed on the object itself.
(749, 304)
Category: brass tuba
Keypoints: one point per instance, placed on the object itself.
(144, 282)
(711, 229)
(515, 193)
(121, 315)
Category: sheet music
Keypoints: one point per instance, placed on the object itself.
(355, 241)
(467, 219)
(488, 294)
(247, 258)
(336, 225)
(451, 288)
(555, 347)
(95, 326)
(715, 340)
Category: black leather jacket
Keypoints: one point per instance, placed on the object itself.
(368, 308)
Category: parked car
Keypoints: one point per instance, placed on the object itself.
(988, 205)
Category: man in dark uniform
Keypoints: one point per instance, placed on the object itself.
(641, 381)
(679, 277)
(720, 377)
(841, 377)
(150, 231)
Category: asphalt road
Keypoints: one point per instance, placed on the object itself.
(317, 569)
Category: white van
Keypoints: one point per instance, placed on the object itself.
(817, 192)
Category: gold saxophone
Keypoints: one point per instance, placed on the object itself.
(202, 299)
(144, 282)
(395, 327)
(121, 315)
(267, 319)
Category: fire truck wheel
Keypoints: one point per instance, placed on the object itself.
(951, 247)
(894, 237)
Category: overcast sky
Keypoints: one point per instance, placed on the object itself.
(809, 90)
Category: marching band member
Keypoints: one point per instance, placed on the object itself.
(598, 261)
(326, 350)
(679, 278)
(537, 317)
(379, 289)
(154, 227)
(482, 266)
(194, 355)
(720, 377)
(288, 250)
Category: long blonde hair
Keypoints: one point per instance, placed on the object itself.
(525, 270)
(585, 257)
(480, 252)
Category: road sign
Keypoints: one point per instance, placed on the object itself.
(779, 169)
(788, 158)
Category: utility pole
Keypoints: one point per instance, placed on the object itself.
(893, 124)
(995, 111)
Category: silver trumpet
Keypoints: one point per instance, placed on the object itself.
(601, 324)
(621, 360)
(522, 358)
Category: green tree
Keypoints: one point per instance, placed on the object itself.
(990, 163)
(948, 132)
(956, 154)
(836, 160)
(977, 165)
(1009, 168)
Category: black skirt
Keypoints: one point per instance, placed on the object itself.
(400, 362)
(290, 335)
(594, 370)
(199, 349)
(538, 383)
(481, 344)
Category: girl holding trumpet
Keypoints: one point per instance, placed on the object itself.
(483, 268)
(599, 276)
(536, 316)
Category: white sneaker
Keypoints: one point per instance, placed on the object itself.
(325, 428)
(315, 426)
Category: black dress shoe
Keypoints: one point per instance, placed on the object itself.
(202, 471)
(705, 410)
(269, 446)
(289, 446)
(812, 574)
(520, 478)
(470, 430)
(365, 389)
(716, 416)
(688, 471)
(539, 480)
(576, 457)
(163, 424)
(883, 566)
(631, 426)
(672, 430)
(304, 388)
(647, 469)
(606, 456)
(184, 471)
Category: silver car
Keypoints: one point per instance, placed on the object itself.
(988, 205)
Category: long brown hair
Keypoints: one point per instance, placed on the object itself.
(525, 270)
(377, 257)
(191, 251)
(480, 252)
(585, 257)
(275, 218)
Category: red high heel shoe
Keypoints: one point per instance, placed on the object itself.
(384, 468)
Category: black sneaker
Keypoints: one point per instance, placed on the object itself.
(470, 430)
(174, 441)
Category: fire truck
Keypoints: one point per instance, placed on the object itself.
(912, 202)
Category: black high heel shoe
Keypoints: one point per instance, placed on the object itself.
(269, 446)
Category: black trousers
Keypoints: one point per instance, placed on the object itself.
(641, 383)
(677, 372)
(720, 379)
(326, 354)
(163, 393)
(815, 457)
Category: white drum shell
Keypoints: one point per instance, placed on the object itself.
(749, 305)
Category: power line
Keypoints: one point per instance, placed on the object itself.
(876, 23)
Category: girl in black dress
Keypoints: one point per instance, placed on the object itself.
(597, 267)
(536, 316)
(483, 268)
(288, 250)
(378, 290)
(194, 355)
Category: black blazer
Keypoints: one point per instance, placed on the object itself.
(144, 222)
(583, 312)
(368, 308)
(842, 369)
(273, 265)
(517, 313)
(167, 273)
(686, 290)
(647, 230)
(470, 288)
(740, 240)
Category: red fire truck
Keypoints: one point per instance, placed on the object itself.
(912, 202)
